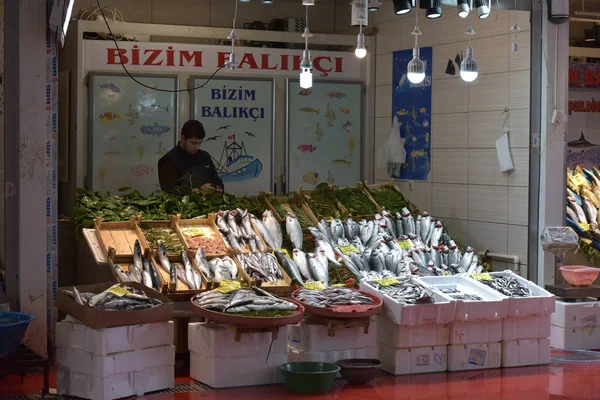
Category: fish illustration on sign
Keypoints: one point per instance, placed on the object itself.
(347, 126)
(414, 114)
(319, 133)
(427, 137)
(423, 110)
(415, 154)
(340, 162)
(133, 137)
(425, 123)
(140, 151)
(141, 170)
(111, 87)
(330, 116)
(311, 178)
(154, 130)
(102, 174)
(305, 92)
(111, 134)
(309, 111)
(108, 117)
(335, 95)
(351, 146)
(402, 112)
(155, 107)
(345, 110)
(132, 114)
(330, 179)
(580, 144)
(161, 149)
(306, 148)
(111, 156)
(223, 127)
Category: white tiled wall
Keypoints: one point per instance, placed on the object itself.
(481, 206)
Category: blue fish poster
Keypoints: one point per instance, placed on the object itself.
(237, 114)
(411, 103)
(130, 128)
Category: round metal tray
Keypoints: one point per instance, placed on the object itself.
(255, 322)
(345, 311)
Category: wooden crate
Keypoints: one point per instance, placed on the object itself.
(242, 275)
(306, 194)
(180, 291)
(120, 236)
(245, 249)
(126, 261)
(207, 225)
(170, 224)
(391, 184)
(282, 288)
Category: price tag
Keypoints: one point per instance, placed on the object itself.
(338, 285)
(314, 285)
(484, 276)
(389, 281)
(118, 291)
(405, 244)
(226, 286)
(578, 180)
(585, 227)
(284, 251)
(348, 249)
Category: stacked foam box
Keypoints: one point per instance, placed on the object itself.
(110, 363)
(476, 328)
(412, 338)
(217, 360)
(526, 328)
(309, 341)
(574, 325)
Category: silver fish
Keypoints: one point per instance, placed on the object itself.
(147, 279)
(294, 230)
(389, 221)
(189, 275)
(317, 270)
(202, 263)
(222, 223)
(399, 226)
(264, 232)
(300, 259)
(571, 214)
(578, 210)
(137, 257)
(467, 258)
(78, 297)
(252, 244)
(135, 273)
(274, 228)
(437, 234)
(163, 257)
(290, 266)
(329, 252)
(426, 223)
(121, 275)
(590, 211)
(351, 229)
(233, 225)
(337, 229)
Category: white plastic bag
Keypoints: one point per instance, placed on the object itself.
(391, 153)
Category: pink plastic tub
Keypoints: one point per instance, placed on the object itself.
(579, 275)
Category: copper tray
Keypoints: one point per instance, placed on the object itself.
(255, 322)
(345, 311)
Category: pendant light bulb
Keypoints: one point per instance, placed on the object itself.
(468, 67)
(306, 77)
(415, 71)
(361, 50)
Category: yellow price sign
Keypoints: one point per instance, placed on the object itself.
(585, 227)
(337, 285)
(348, 249)
(578, 180)
(118, 291)
(484, 276)
(405, 244)
(284, 251)
(389, 281)
(226, 286)
(314, 285)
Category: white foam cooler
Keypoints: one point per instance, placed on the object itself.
(529, 327)
(575, 325)
(462, 357)
(481, 331)
(416, 360)
(403, 336)
(520, 353)
(312, 337)
(296, 355)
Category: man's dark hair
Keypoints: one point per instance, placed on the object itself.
(193, 129)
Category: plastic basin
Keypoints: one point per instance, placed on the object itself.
(12, 329)
(309, 377)
(359, 370)
(579, 275)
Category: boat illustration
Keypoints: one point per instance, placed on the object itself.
(235, 164)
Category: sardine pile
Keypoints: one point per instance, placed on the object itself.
(216, 269)
(134, 300)
(405, 292)
(141, 271)
(458, 295)
(331, 297)
(261, 266)
(180, 272)
(508, 286)
(236, 227)
(243, 300)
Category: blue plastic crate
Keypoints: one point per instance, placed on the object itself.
(12, 329)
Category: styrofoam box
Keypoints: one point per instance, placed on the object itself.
(462, 357)
(238, 371)
(584, 314)
(481, 331)
(417, 360)
(520, 353)
(575, 338)
(216, 341)
(530, 327)
(494, 306)
(132, 383)
(72, 334)
(116, 363)
(311, 337)
(402, 336)
(296, 355)
(440, 312)
(541, 303)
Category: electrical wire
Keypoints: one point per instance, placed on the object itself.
(497, 11)
(112, 36)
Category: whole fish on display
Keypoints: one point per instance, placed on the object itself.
(294, 230)
(317, 270)
(273, 228)
(132, 300)
(261, 266)
(508, 286)
(243, 300)
(301, 261)
(333, 296)
(405, 292)
(289, 266)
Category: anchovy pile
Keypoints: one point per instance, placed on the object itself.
(261, 266)
(141, 271)
(216, 269)
(405, 292)
(331, 297)
(508, 286)
(184, 272)
(133, 300)
(243, 300)
(458, 295)
(236, 227)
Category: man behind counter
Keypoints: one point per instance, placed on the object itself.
(186, 167)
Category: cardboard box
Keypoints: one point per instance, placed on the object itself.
(95, 318)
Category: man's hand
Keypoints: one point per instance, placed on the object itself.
(209, 186)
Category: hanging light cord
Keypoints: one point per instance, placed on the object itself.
(497, 11)
(416, 28)
(306, 29)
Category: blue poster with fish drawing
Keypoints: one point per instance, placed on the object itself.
(237, 114)
(130, 128)
(324, 134)
(411, 103)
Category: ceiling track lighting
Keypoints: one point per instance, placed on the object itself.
(468, 67)
(463, 8)
(402, 7)
(434, 9)
(308, 2)
(483, 8)
(415, 70)
(374, 5)
(266, 1)
(306, 78)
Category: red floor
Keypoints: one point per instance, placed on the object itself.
(530, 383)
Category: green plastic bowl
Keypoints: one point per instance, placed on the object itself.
(309, 377)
